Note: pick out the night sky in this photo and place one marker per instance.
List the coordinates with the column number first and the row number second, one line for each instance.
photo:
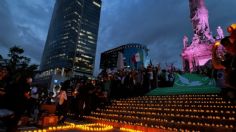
column 159, row 24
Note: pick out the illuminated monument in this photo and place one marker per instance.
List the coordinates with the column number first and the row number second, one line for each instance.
column 198, row 52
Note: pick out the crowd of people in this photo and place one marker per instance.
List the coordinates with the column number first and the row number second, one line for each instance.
column 81, row 95
column 15, row 98
column 78, row 95
column 124, row 83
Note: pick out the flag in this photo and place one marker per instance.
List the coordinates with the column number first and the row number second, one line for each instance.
column 137, row 57
column 133, row 59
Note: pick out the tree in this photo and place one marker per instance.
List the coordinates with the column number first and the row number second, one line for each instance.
column 15, row 57
column 19, row 65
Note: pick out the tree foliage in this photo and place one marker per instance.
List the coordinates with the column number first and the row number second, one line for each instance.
column 19, row 64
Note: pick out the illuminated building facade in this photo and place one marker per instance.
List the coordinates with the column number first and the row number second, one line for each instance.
column 71, row 42
column 134, row 56
column 72, row 37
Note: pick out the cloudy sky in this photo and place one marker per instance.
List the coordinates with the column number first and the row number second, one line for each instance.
column 159, row 24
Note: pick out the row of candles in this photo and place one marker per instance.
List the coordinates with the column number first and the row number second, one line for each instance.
column 129, row 130
column 68, row 126
column 123, row 122
column 174, row 101
column 141, row 124
column 163, row 99
column 157, row 125
column 177, row 96
column 101, row 127
column 145, row 109
column 178, row 122
column 95, row 127
column 173, row 105
column 143, row 115
column 170, row 101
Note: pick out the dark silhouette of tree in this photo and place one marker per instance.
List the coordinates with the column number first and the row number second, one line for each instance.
column 19, row 65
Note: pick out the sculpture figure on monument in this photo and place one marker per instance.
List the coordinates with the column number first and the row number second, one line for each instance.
column 209, row 37
column 185, row 41
column 195, row 39
column 202, row 18
column 220, row 33
column 199, row 52
column 199, row 17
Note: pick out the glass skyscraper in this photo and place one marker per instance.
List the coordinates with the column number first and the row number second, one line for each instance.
column 72, row 37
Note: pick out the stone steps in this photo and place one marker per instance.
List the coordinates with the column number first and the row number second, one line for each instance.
column 208, row 112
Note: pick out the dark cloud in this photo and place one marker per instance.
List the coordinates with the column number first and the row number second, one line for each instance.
column 159, row 24
column 25, row 24
column 32, row 45
column 7, row 29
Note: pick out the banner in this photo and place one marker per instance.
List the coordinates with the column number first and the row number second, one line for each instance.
column 137, row 57
column 192, row 80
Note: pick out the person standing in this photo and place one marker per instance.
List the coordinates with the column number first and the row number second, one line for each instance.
column 62, row 102
column 228, row 62
column 17, row 98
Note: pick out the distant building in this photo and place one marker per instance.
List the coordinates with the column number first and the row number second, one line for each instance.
column 72, row 40
column 134, row 56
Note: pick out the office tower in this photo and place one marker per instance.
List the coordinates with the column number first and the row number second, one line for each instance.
column 72, row 38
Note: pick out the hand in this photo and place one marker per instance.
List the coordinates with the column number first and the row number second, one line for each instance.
column 27, row 95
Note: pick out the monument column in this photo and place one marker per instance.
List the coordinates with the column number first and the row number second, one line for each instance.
column 198, row 52
column 199, row 19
